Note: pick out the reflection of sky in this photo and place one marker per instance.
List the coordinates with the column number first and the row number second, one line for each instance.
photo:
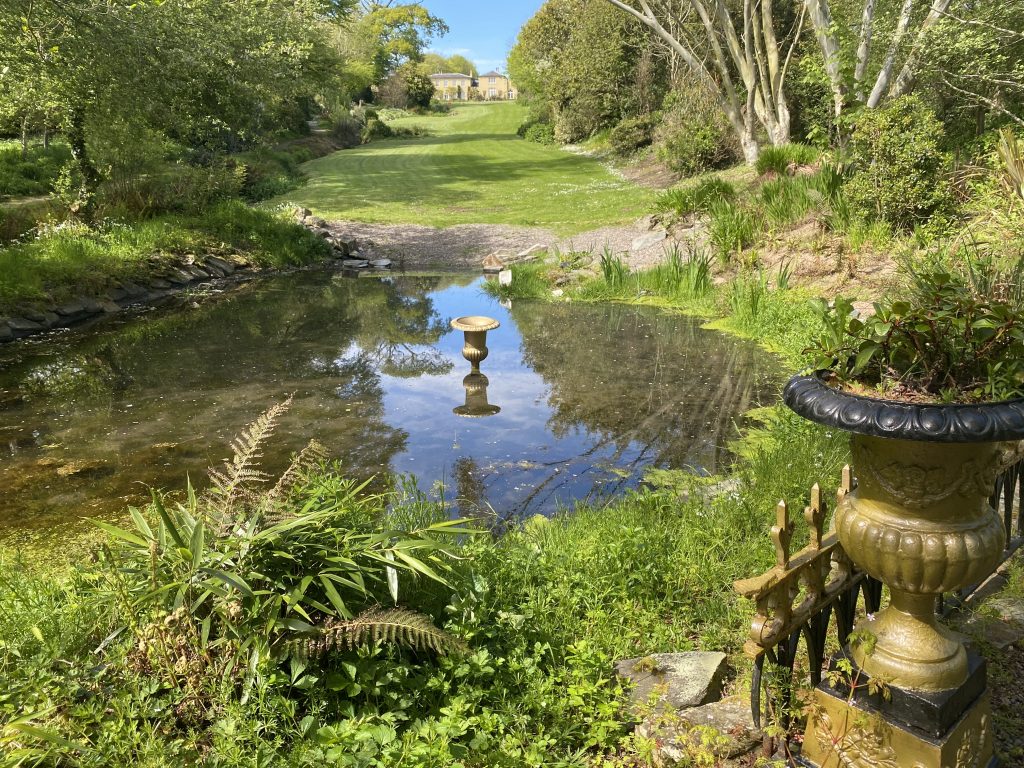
column 525, row 468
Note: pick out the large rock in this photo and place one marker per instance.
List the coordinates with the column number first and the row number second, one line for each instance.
column 532, row 252
column 224, row 266
column 24, row 325
column 493, row 264
column 649, row 240
column 680, row 680
column 724, row 728
column 6, row 334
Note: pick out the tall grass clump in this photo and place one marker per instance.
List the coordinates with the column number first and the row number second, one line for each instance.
column 747, row 295
column 529, row 281
column 780, row 159
column 733, row 228
column 696, row 199
column 680, row 276
column 614, row 270
column 786, row 200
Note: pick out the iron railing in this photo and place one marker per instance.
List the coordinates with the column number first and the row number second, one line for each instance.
column 799, row 598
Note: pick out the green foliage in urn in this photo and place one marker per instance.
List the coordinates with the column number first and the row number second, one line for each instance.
column 958, row 337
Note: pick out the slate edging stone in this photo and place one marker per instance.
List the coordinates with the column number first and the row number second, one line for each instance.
column 173, row 278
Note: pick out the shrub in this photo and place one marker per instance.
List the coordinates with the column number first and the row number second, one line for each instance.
column 955, row 337
column 375, row 128
column 899, row 168
column 697, row 199
column 694, row 135
column 632, row 134
column 347, row 131
column 540, row 133
column 780, row 159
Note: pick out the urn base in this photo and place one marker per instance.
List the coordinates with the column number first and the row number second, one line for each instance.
column 851, row 734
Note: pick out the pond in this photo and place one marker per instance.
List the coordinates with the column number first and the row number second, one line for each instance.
column 589, row 395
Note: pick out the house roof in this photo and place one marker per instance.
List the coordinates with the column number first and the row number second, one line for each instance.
column 452, row 74
column 492, row 74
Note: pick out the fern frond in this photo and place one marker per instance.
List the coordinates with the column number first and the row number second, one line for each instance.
column 395, row 626
column 231, row 483
column 309, row 458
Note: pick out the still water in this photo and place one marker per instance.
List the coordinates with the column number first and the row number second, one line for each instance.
column 590, row 396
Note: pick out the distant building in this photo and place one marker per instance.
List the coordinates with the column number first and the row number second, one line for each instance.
column 454, row 86
column 495, row 86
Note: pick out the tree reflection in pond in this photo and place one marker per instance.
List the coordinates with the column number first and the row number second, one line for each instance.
column 589, row 395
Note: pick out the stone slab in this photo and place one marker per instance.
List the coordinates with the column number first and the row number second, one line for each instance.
column 680, row 680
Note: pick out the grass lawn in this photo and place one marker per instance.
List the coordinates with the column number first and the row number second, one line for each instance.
column 471, row 169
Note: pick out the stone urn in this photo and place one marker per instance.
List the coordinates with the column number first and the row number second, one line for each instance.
column 475, row 328
column 919, row 520
column 476, row 404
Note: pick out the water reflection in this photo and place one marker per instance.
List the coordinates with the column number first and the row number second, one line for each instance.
column 90, row 419
column 476, row 404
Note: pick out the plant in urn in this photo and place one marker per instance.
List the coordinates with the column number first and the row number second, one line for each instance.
column 930, row 390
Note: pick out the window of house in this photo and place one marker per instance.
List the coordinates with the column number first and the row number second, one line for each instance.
column 493, row 80
column 492, row 92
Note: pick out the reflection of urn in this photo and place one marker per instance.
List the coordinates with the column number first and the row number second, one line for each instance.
column 476, row 396
column 475, row 327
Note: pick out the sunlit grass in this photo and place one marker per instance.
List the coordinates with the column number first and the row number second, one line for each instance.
column 471, row 168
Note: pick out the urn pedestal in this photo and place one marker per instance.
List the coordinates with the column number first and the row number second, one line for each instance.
column 475, row 328
column 920, row 522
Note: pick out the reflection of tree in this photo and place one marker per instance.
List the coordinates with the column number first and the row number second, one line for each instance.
column 197, row 375
column 470, row 487
column 616, row 371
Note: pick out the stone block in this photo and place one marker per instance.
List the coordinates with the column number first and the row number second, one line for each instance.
column 680, row 680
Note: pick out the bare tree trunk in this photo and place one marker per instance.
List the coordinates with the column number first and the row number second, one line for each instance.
column 905, row 81
column 821, row 19
column 86, row 204
column 885, row 74
column 867, row 26
column 24, row 138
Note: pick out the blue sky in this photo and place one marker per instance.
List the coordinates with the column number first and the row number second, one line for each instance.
column 482, row 32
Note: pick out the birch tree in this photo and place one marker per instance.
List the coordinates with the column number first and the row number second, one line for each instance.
column 891, row 45
column 741, row 57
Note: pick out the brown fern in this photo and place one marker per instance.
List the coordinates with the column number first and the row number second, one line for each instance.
column 309, row 458
column 233, row 483
column 394, row 626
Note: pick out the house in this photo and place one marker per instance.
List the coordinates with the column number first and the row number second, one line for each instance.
column 449, row 86
column 493, row 86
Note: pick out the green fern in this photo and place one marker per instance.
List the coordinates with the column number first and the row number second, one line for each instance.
column 395, row 626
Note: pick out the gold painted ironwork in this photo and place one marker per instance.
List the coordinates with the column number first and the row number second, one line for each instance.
column 920, row 521
column 802, row 585
column 842, row 735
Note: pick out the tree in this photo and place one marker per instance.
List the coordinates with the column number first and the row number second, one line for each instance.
column 196, row 71
column 400, row 33
column 587, row 65
column 459, row 63
column 741, row 56
column 899, row 41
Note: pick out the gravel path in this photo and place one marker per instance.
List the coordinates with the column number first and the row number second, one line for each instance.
column 464, row 246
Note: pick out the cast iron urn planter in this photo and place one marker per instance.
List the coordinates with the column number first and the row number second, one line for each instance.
column 920, row 521
column 475, row 328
